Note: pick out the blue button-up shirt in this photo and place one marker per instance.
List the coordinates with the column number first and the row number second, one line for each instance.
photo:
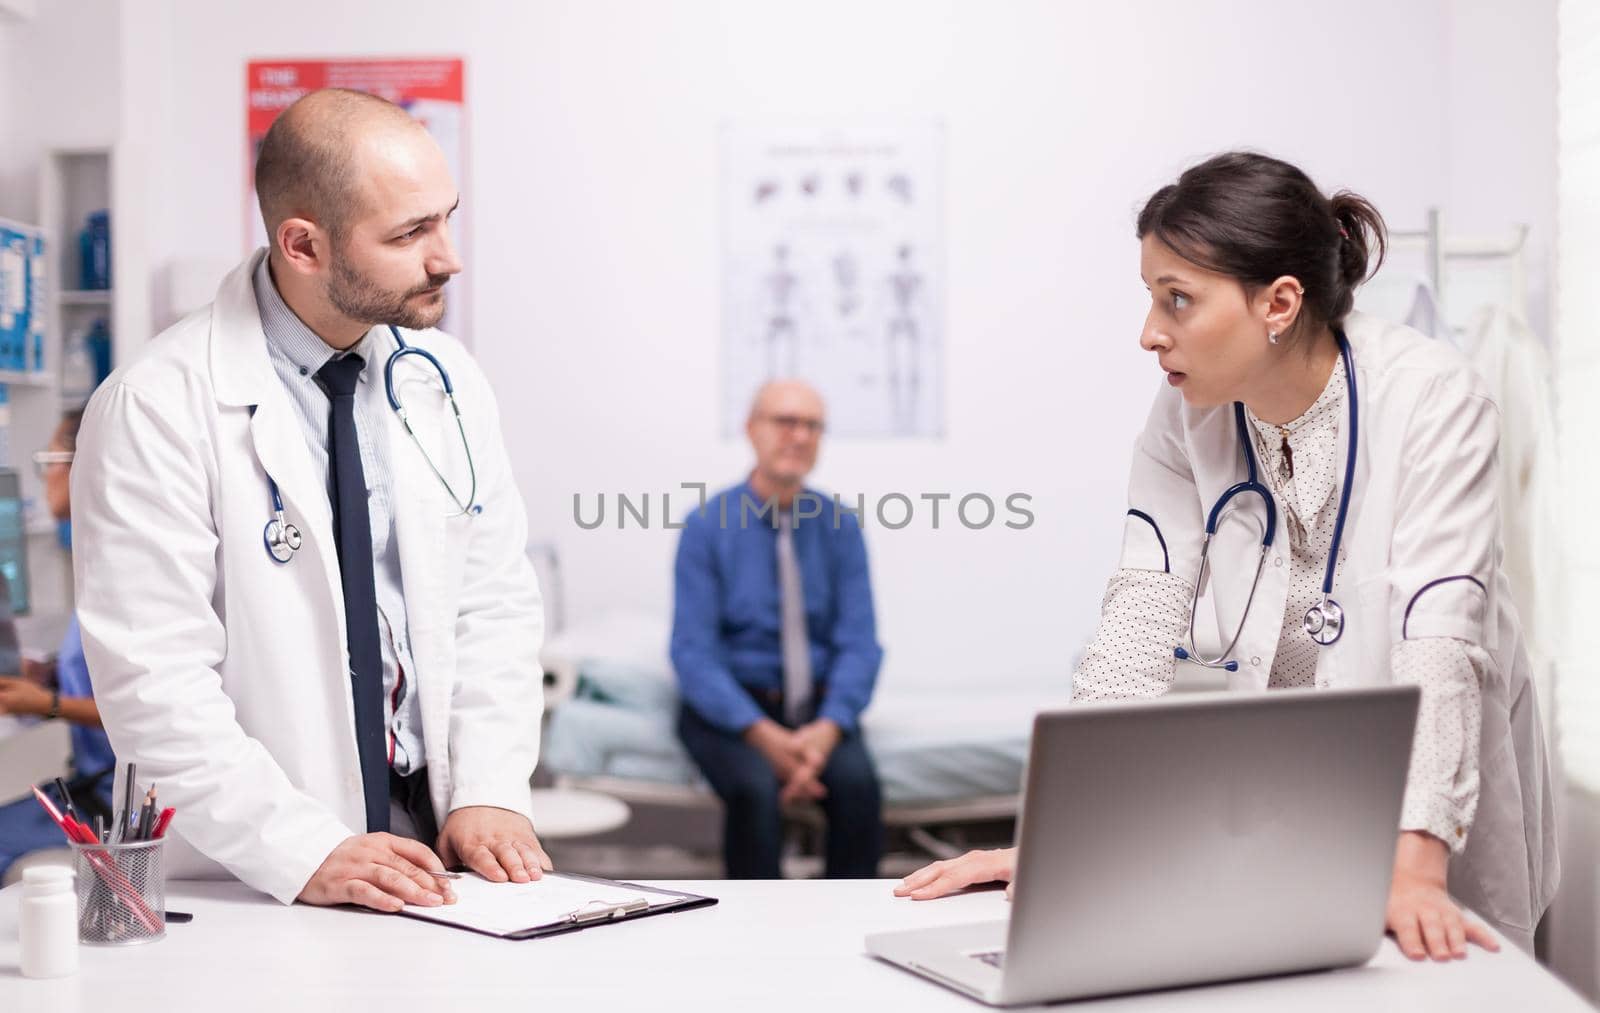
column 726, row 624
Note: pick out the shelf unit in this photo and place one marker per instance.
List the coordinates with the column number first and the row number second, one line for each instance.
column 30, row 395
column 84, row 297
column 72, row 183
column 12, row 378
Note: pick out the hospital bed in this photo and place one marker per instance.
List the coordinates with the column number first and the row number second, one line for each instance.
column 947, row 757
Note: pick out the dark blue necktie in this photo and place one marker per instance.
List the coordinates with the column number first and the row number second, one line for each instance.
column 353, row 526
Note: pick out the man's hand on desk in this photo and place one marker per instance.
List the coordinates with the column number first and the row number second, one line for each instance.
column 1421, row 915
column 380, row 871
column 497, row 844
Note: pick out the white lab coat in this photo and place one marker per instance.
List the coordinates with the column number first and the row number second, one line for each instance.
column 222, row 673
column 1516, row 370
column 1423, row 507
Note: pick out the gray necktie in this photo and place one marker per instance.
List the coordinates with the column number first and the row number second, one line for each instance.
column 796, row 643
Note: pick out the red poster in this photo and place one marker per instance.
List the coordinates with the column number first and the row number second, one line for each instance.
column 431, row 90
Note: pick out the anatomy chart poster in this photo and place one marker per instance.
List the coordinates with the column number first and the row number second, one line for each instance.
column 431, row 90
column 833, row 272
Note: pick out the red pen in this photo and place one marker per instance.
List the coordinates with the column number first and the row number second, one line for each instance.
column 71, row 828
column 77, row 831
column 162, row 821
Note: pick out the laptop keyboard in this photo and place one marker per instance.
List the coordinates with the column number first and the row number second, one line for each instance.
column 994, row 958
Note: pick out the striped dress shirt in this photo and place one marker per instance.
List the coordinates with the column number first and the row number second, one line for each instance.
column 297, row 353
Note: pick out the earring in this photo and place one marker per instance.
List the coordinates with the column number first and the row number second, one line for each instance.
column 1272, row 337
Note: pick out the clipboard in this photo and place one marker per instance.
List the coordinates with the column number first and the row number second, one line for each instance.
column 469, row 914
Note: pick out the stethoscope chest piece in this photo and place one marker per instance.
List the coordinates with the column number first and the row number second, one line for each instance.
column 282, row 539
column 1325, row 622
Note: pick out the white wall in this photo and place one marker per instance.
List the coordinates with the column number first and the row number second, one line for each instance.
column 593, row 190
column 12, row 158
column 1500, row 132
column 59, row 73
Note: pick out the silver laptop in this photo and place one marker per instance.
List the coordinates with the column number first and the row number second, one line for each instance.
column 1189, row 839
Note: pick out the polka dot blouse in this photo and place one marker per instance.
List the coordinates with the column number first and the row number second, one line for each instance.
column 1146, row 612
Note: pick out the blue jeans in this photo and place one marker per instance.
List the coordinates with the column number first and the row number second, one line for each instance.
column 752, row 833
column 26, row 827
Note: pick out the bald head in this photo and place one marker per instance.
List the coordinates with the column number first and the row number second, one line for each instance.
column 787, row 397
column 311, row 161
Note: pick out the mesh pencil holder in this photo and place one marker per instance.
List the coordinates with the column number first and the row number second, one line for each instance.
column 121, row 892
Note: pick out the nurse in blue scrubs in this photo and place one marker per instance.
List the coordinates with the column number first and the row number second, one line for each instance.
column 24, row 827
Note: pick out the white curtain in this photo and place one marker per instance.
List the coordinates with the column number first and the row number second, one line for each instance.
column 1577, row 350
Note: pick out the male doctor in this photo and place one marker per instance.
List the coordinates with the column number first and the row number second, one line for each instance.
column 328, row 701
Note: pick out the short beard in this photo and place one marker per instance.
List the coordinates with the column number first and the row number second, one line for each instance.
column 358, row 298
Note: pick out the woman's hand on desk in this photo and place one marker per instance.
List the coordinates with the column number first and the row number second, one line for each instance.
column 497, row 844
column 953, row 874
column 1421, row 915
column 379, row 871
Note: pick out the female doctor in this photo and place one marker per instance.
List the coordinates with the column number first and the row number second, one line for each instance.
column 1376, row 448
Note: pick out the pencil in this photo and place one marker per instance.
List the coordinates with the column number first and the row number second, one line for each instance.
column 127, row 801
column 147, row 811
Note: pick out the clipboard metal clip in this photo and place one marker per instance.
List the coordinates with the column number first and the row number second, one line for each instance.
column 600, row 911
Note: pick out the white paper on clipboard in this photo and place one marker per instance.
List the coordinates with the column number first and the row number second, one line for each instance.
column 508, row 908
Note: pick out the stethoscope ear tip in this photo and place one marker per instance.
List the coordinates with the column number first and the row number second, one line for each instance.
column 1232, row 666
column 1180, row 654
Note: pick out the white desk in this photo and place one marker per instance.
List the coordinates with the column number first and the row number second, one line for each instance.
column 768, row 946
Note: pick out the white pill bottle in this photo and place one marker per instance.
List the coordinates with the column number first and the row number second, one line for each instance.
column 48, row 922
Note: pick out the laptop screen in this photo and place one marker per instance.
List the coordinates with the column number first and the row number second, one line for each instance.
column 13, row 544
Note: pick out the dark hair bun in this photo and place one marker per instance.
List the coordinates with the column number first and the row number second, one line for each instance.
column 1256, row 219
column 1361, row 233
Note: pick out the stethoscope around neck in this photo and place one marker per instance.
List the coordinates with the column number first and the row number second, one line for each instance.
column 283, row 539
column 1324, row 621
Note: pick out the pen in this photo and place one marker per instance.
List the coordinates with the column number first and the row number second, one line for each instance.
column 66, row 799
column 161, row 823
column 445, row 875
column 55, row 814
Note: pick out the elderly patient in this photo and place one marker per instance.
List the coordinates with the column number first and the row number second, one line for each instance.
column 776, row 650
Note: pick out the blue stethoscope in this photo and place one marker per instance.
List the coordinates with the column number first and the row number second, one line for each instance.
column 283, row 539
column 1324, row 622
